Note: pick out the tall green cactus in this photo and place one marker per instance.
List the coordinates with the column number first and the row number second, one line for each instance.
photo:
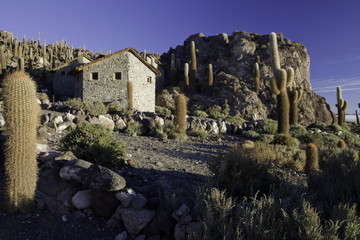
column 294, row 97
column 2, row 58
column 180, row 113
column 210, row 80
column 186, row 77
column 193, row 65
column 21, row 112
column 341, row 106
column 282, row 79
column 312, row 158
column 257, row 78
column 130, row 97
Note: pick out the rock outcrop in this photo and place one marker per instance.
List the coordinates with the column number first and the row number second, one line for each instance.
column 233, row 58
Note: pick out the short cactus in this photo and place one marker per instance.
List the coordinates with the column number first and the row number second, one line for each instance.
column 257, row 78
column 312, row 158
column 341, row 106
column 180, row 113
column 282, row 79
column 21, row 112
column 341, row 144
column 294, row 97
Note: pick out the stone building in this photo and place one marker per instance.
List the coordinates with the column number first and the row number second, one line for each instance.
column 63, row 82
column 105, row 80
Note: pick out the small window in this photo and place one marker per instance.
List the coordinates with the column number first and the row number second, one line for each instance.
column 149, row 79
column 117, row 75
column 94, row 76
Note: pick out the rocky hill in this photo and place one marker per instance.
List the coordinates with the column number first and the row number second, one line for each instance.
column 233, row 58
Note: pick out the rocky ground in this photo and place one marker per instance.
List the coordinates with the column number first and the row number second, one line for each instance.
column 155, row 167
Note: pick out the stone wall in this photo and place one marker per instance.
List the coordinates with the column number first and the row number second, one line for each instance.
column 143, row 80
column 63, row 83
column 107, row 89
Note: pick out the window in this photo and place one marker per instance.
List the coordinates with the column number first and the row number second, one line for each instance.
column 94, row 76
column 117, row 75
column 149, row 79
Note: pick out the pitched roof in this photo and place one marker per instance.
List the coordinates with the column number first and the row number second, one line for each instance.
column 131, row 50
column 67, row 63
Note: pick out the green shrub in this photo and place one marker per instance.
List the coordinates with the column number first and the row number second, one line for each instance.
column 75, row 103
column 95, row 108
column 250, row 134
column 178, row 136
column 114, row 107
column 162, row 110
column 135, row 128
column 199, row 113
column 94, row 143
column 199, row 133
column 268, row 126
column 235, row 119
column 266, row 138
column 215, row 112
column 282, row 139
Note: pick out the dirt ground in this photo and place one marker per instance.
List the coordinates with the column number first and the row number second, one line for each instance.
column 158, row 167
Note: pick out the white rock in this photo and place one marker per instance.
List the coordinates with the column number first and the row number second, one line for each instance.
column 58, row 119
column 69, row 117
column 82, row 199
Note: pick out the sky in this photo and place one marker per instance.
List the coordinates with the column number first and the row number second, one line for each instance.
column 329, row 29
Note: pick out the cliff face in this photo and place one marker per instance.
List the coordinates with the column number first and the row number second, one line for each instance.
column 233, row 58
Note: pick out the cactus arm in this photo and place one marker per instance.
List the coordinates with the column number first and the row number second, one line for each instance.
column 290, row 76
column 274, row 87
column 344, row 107
column 274, row 52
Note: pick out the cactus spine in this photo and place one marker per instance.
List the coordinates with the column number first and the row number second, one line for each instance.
column 21, row 113
column 193, row 65
column 282, row 79
column 312, row 158
column 210, row 80
column 257, row 78
column 294, row 97
column 180, row 113
column 341, row 106
column 130, row 97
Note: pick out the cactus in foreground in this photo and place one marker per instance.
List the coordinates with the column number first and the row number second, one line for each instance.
column 210, row 80
column 341, row 106
column 21, row 112
column 294, row 97
column 282, row 79
column 193, row 65
column 312, row 158
column 130, row 98
column 257, row 78
column 180, row 113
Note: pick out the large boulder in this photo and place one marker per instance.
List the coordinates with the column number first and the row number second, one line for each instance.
column 92, row 176
column 233, row 58
column 103, row 120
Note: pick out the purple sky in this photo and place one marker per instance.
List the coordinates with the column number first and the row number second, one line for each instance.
column 329, row 29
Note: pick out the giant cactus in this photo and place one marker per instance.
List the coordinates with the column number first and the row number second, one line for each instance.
column 257, row 78
column 186, row 78
column 180, row 113
column 21, row 112
column 193, row 65
column 130, row 97
column 282, row 79
column 341, row 106
column 294, row 97
column 210, row 80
